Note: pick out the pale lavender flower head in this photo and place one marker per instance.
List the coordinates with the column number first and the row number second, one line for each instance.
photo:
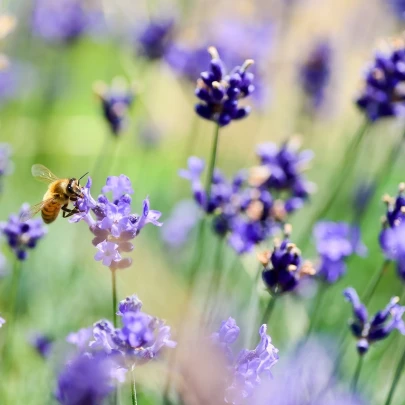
column 335, row 242
column 2, row 321
column 85, row 380
column 250, row 368
column 112, row 222
column 369, row 330
column 81, row 338
column 129, row 304
column 22, row 236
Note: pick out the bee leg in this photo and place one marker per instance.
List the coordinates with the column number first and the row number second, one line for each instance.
column 68, row 212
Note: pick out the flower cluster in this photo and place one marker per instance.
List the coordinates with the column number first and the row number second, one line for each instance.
column 392, row 235
column 140, row 339
column 155, row 38
column 62, row 20
column 220, row 93
column 20, row 235
column 379, row 326
column 247, row 208
column 42, row 344
column 250, row 368
column 283, row 266
column 383, row 94
column 113, row 224
column 86, row 380
column 336, row 241
column 398, row 8
column 115, row 100
column 315, row 73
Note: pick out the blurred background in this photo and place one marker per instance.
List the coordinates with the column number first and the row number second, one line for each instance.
column 50, row 114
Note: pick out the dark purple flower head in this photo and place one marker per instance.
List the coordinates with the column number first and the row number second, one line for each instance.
column 368, row 331
column 129, row 304
column 283, row 266
column 42, row 344
column 398, row 8
column 85, row 380
column 335, row 241
column 250, row 368
column 383, row 94
column 220, row 92
column 113, row 224
column 6, row 166
column 116, row 101
column 22, row 236
column 62, row 20
column 155, row 38
column 315, row 73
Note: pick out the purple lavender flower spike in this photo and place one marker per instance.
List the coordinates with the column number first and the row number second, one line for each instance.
column 2, row 321
column 251, row 367
column 42, row 344
column 129, row 304
column 315, row 73
column 85, row 380
column 81, row 338
column 116, row 100
column 283, row 266
column 22, row 236
column 154, row 40
column 398, row 8
column 219, row 93
column 382, row 95
column 379, row 326
column 335, row 241
column 112, row 223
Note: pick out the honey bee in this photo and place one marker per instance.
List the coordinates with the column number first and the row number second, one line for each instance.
column 58, row 196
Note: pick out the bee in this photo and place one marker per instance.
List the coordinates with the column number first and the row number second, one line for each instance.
column 58, row 196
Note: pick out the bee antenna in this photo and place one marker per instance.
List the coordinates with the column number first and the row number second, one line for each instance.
column 85, row 174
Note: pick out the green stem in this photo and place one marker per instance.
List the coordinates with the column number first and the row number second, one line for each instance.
column 372, row 286
column 133, row 387
column 15, row 283
column 340, row 177
column 213, row 159
column 395, row 380
column 268, row 310
column 357, row 374
column 114, row 296
column 318, row 308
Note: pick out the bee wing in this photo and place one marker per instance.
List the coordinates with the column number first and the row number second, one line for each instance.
column 42, row 173
column 25, row 216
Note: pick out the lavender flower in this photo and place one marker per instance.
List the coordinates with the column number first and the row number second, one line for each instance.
column 116, row 101
column 315, row 73
column 81, row 338
column 129, row 304
column 2, row 321
column 398, row 8
column 383, row 94
column 113, row 224
column 22, row 236
column 283, row 266
column 367, row 331
column 42, row 344
column 63, row 20
column 85, row 380
column 336, row 241
column 250, row 368
column 155, row 38
column 220, row 93
column 178, row 226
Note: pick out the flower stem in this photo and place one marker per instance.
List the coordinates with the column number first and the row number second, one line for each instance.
column 357, row 374
column 15, row 282
column 213, row 159
column 395, row 380
column 133, row 387
column 372, row 286
column 114, row 296
column 268, row 311
column 318, row 307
